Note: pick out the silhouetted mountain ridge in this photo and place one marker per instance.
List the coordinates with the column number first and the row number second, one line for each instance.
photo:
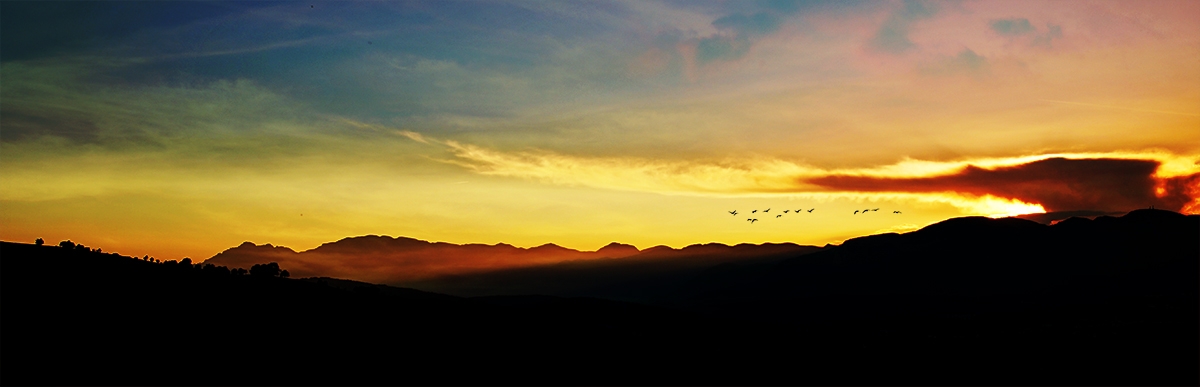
column 1053, row 217
column 383, row 259
column 405, row 261
column 974, row 257
column 971, row 301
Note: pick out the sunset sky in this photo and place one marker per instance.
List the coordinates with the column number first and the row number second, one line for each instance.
column 180, row 129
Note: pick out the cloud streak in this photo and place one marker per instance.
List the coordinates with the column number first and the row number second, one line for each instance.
column 892, row 36
column 1059, row 184
column 1055, row 182
column 1122, row 108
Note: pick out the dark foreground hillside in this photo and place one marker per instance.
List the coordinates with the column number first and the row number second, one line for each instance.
column 970, row 301
column 82, row 318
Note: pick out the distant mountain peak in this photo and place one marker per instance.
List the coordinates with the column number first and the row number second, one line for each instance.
column 617, row 245
column 617, row 250
column 659, row 248
column 549, row 246
column 266, row 246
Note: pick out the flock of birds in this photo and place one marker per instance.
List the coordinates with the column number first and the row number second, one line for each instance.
column 752, row 220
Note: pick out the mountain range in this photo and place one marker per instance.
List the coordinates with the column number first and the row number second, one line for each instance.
column 966, row 301
column 440, row 266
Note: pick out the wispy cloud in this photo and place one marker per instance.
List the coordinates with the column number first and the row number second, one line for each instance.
column 1126, row 108
column 1055, row 181
column 1014, row 28
column 966, row 62
column 1011, row 27
column 892, row 36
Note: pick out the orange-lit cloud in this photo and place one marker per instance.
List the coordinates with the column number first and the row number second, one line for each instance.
column 1059, row 184
column 995, row 186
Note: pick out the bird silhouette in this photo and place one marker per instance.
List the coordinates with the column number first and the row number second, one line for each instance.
column 811, row 210
column 311, row 6
column 734, row 212
column 855, row 212
column 895, row 212
column 875, row 209
column 778, row 216
column 786, row 211
column 752, row 220
column 767, row 210
column 753, row 211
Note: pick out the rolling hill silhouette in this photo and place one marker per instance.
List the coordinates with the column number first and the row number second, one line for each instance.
column 1109, row 301
column 1146, row 253
column 1057, row 216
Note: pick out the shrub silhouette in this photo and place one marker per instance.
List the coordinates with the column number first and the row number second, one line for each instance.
column 39, row 242
column 265, row 270
column 67, row 244
column 284, row 274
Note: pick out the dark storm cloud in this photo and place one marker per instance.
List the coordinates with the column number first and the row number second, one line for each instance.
column 1058, row 184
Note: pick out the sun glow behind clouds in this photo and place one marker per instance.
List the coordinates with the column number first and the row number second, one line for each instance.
column 766, row 177
column 996, row 207
column 635, row 122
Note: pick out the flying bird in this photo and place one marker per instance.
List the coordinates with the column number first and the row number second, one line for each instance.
column 753, row 211
column 811, row 210
column 895, row 212
column 767, row 210
column 734, row 212
column 752, row 220
column 855, row 212
column 786, row 211
column 777, row 216
column 875, row 209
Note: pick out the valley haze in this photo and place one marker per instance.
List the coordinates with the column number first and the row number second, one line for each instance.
column 966, row 301
column 511, row 192
column 179, row 129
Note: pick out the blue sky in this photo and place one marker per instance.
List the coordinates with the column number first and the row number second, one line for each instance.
column 135, row 121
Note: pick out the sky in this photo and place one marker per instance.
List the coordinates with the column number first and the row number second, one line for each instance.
column 181, row 129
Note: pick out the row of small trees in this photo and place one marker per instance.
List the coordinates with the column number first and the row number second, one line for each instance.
column 67, row 244
column 259, row 270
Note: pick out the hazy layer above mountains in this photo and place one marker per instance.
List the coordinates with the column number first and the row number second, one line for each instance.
column 658, row 274
column 965, row 301
column 400, row 260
